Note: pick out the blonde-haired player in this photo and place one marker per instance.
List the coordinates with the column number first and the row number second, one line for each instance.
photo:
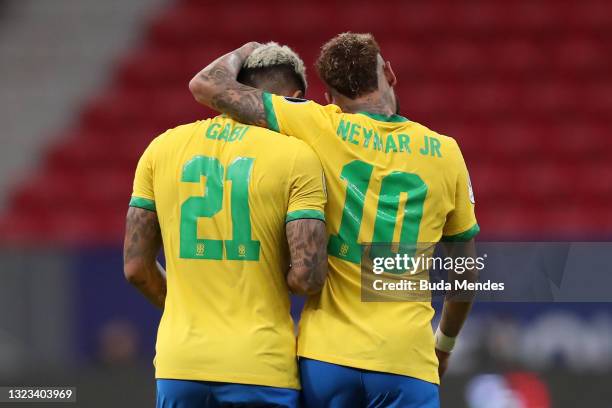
column 274, row 55
column 239, row 211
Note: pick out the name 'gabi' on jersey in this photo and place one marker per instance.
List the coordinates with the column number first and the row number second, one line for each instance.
column 370, row 139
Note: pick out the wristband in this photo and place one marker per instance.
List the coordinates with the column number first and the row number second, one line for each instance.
column 444, row 342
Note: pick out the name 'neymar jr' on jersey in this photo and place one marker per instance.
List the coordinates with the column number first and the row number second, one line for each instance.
column 389, row 179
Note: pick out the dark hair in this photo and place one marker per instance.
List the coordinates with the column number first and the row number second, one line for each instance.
column 272, row 79
column 348, row 64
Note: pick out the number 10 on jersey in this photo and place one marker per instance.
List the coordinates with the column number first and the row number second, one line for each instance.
column 357, row 175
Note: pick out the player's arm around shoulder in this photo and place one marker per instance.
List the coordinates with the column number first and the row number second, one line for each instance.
column 216, row 86
column 305, row 223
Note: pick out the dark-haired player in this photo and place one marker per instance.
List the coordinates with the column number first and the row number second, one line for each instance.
column 230, row 213
column 389, row 180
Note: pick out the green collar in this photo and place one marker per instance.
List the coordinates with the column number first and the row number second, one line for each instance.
column 383, row 118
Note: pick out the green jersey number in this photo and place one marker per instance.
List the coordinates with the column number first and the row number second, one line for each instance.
column 241, row 247
column 357, row 175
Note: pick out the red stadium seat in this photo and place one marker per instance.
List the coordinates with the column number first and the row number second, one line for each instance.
column 523, row 87
column 460, row 60
column 582, row 57
column 519, row 59
column 162, row 67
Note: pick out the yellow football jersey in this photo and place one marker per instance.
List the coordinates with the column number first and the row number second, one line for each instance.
column 223, row 192
column 389, row 180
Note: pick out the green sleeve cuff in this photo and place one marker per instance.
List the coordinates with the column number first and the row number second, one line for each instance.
column 270, row 115
column 305, row 214
column 463, row 236
column 143, row 203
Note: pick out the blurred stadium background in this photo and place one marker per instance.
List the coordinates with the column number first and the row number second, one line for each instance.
column 525, row 87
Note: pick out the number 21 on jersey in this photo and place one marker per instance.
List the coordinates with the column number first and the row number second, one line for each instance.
column 241, row 247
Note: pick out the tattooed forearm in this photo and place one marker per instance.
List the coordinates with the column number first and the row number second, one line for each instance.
column 141, row 246
column 308, row 248
column 244, row 104
column 216, row 87
column 142, row 234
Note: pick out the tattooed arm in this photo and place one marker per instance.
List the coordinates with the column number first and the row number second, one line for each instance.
column 308, row 248
column 455, row 311
column 140, row 249
column 216, row 87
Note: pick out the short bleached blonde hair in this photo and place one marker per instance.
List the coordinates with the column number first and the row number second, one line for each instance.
column 272, row 54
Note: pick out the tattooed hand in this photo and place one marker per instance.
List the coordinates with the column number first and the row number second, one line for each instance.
column 308, row 248
column 247, row 49
column 140, row 249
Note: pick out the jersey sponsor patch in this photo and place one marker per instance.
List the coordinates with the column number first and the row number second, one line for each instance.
column 295, row 100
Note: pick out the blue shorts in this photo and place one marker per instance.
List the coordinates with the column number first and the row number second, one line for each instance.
column 209, row 394
column 326, row 385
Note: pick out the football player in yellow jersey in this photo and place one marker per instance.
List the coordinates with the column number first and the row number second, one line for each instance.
column 389, row 180
column 240, row 224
